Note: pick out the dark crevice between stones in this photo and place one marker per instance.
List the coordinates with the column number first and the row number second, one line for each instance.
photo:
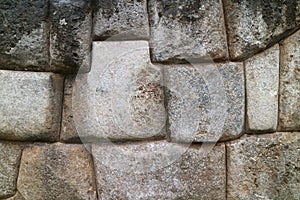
column 62, row 107
column 94, row 172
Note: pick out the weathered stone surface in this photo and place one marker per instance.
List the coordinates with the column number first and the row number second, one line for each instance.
column 193, row 175
column 17, row 196
column 255, row 25
column 30, row 105
column 289, row 104
column 262, row 85
column 70, row 35
column 10, row 155
column 121, row 98
column 264, row 167
column 205, row 102
column 187, row 29
column 24, row 33
column 122, row 19
column 56, row 171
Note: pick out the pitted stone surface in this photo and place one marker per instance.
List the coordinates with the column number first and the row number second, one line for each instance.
column 262, row 85
column 194, row 175
column 187, row 29
column 56, row 171
column 17, row 196
column 121, row 19
column 24, row 33
column 30, row 105
column 264, row 167
column 205, row 105
column 255, row 25
column 10, row 155
column 122, row 97
column 289, row 110
column 70, row 35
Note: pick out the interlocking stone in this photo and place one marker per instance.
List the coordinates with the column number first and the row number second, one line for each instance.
column 120, row 99
column 254, row 25
column 10, row 155
column 187, row 29
column 193, row 175
column 30, row 105
column 264, row 167
column 262, row 85
column 289, row 105
column 121, row 19
column 24, row 33
column 17, row 196
column 70, row 35
column 205, row 102
column 56, row 171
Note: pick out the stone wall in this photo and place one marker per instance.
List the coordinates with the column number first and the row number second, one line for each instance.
column 136, row 99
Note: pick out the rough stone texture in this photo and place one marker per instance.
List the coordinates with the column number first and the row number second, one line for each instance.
column 255, row 25
column 17, row 196
column 30, row 105
column 289, row 104
column 122, row 19
column 56, row 171
column 205, row 102
column 264, row 167
column 193, row 176
column 121, row 98
column 262, row 85
column 187, row 29
column 24, row 33
column 70, row 35
column 10, row 155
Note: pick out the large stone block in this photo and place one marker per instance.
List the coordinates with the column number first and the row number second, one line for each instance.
column 56, row 171
column 205, row 102
column 24, row 35
column 255, row 25
column 264, row 167
column 289, row 104
column 70, row 35
column 262, row 85
column 30, row 105
column 192, row 175
column 10, row 155
column 187, row 29
column 121, row 98
column 122, row 19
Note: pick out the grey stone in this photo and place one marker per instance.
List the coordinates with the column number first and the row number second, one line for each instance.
column 254, row 25
column 289, row 103
column 121, row 19
column 205, row 102
column 70, row 35
column 121, row 98
column 193, row 174
column 264, row 167
column 30, row 105
column 56, row 171
column 24, row 33
column 187, row 29
column 17, row 196
column 10, row 155
column 262, row 85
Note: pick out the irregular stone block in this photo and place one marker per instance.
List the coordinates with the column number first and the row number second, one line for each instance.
column 17, row 196
column 262, row 85
column 187, row 29
column 24, row 35
column 289, row 103
column 10, row 155
column 56, row 171
column 121, row 19
column 121, row 98
column 254, row 25
column 205, row 102
column 192, row 175
column 70, row 35
column 30, row 105
column 264, row 167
